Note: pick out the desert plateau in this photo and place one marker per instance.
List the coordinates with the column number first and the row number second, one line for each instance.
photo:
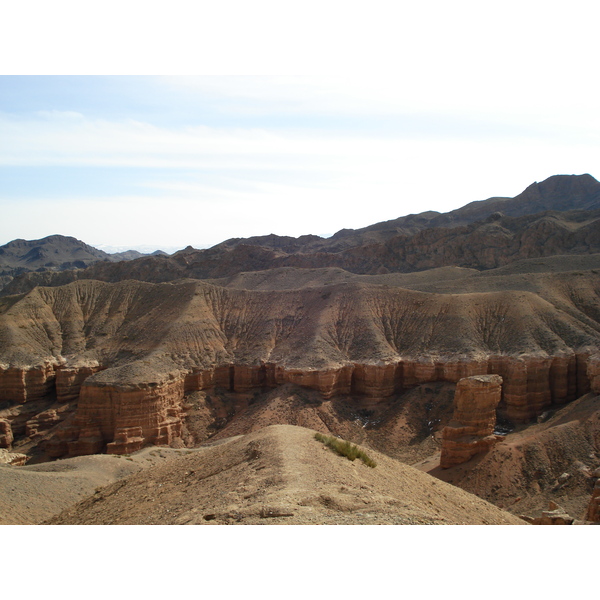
column 459, row 351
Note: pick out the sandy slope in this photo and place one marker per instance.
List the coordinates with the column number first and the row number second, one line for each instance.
column 552, row 460
column 281, row 475
column 31, row 494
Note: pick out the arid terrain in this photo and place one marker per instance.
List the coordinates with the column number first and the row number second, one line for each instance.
column 460, row 350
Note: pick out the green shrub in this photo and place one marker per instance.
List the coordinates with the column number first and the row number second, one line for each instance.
column 344, row 448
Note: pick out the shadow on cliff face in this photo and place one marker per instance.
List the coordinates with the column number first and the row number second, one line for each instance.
column 405, row 426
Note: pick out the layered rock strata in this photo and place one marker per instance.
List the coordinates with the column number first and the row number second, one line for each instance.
column 593, row 511
column 531, row 384
column 121, row 419
column 131, row 416
column 593, row 372
column 471, row 429
column 12, row 458
column 340, row 339
column 41, row 422
column 6, row 434
column 23, row 384
column 69, row 380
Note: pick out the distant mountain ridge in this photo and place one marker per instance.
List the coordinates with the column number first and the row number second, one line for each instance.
column 558, row 216
column 55, row 253
column 557, row 193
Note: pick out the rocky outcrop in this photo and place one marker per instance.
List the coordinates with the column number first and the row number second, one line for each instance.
column 42, row 422
column 593, row 372
column 122, row 411
column 6, row 434
column 127, row 440
column 24, row 384
column 472, row 425
column 532, row 384
column 593, row 511
column 122, row 417
column 340, row 339
column 69, row 380
column 555, row 515
column 12, row 458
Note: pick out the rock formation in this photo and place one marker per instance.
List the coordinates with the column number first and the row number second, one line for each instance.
column 593, row 511
column 593, row 372
column 12, row 458
column 555, row 515
column 6, row 434
column 127, row 353
column 123, row 417
column 70, row 378
column 20, row 384
column 471, row 429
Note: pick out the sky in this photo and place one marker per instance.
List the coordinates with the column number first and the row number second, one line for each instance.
column 249, row 121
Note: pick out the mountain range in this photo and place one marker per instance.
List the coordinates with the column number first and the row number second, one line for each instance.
column 465, row 344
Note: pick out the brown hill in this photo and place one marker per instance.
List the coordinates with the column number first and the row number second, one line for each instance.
column 54, row 254
column 196, row 324
column 281, row 474
column 130, row 353
column 54, row 251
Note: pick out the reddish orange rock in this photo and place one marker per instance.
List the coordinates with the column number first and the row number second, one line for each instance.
column 41, row 422
column 70, row 379
column 6, row 434
column 127, row 440
column 593, row 511
column 329, row 382
column 23, row 384
column 199, row 380
column 472, row 425
column 375, row 381
column 593, row 372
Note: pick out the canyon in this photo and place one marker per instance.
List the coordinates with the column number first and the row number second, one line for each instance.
column 430, row 338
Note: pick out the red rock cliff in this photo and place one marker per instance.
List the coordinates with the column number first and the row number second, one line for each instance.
column 122, row 419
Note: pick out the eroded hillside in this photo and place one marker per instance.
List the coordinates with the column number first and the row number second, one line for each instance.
column 366, row 336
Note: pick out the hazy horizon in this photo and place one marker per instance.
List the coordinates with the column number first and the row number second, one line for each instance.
column 439, row 107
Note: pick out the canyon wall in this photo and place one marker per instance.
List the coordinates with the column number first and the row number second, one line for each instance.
column 120, row 418
column 6, row 434
column 25, row 384
column 593, row 373
column 70, row 379
column 593, row 511
column 532, row 384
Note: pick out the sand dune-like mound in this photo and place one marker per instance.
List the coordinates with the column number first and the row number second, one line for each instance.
column 281, row 474
column 31, row 494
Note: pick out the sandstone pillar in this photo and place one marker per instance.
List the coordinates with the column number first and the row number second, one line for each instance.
column 471, row 429
column 6, row 434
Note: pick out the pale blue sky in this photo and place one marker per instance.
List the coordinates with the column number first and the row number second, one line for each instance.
column 460, row 110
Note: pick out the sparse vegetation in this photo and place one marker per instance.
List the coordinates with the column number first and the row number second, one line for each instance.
column 344, row 448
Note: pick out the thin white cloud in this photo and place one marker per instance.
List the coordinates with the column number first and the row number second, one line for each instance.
column 253, row 181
